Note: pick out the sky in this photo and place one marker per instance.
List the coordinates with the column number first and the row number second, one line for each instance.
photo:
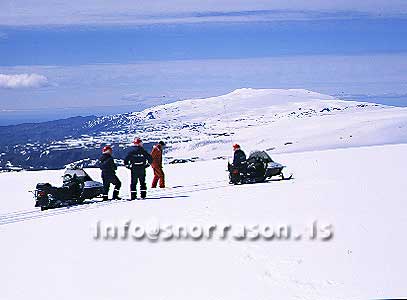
column 61, row 59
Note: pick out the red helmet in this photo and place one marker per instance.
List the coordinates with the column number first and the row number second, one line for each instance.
column 236, row 146
column 138, row 142
column 107, row 149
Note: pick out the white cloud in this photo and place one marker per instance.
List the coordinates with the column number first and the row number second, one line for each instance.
column 116, row 84
column 17, row 81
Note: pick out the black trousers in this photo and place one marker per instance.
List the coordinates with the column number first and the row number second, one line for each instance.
column 138, row 175
column 109, row 179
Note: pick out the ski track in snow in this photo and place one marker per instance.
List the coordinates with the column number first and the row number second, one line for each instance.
column 153, row 194
column 156, row 194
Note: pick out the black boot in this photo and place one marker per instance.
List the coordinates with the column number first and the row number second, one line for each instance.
column 105, row 198
column 134, row 195
column 116, row 195
column 143, row 194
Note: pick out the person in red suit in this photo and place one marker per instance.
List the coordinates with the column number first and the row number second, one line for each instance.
column 157, row 154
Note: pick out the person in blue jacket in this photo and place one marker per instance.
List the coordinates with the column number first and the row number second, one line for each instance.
column 108, row 167
column 137, row 160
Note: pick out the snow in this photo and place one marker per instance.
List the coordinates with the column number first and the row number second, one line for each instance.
column 269, row 119
column 52, row 255
column 348, row 160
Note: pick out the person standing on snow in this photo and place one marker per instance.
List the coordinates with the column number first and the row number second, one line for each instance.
column 108, row 167
column 137, row 160
column 157, row 165
column 239, row 158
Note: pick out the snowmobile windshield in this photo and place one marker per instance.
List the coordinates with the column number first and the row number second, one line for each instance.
column 80, row 173
column 260, row 155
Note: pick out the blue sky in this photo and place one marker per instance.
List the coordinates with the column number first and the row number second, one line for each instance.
column 123, row 44
column 86, row 58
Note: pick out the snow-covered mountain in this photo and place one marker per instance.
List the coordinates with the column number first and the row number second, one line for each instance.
column 276, row 120
column 273, row 119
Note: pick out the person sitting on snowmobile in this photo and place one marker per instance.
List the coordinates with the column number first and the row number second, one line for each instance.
column 239, row 159
column 137, row 160
column 108, row 167
column 157, row 165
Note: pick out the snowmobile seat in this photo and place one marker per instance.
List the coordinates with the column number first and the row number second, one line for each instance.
column 43, row 186
column 70, row 190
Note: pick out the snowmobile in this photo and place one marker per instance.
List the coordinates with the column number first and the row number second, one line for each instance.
column 77, row 187
column 258, row 168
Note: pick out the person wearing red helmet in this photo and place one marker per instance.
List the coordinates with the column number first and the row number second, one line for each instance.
column 157, row 165
column 137, row 160
column 108, row 167
column 239, row 165
column 239, row 158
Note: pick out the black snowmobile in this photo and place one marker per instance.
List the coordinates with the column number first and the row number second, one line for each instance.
column 258, row 168
column 77, row 187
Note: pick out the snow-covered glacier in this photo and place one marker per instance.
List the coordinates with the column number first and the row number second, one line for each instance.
column 274, row 119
